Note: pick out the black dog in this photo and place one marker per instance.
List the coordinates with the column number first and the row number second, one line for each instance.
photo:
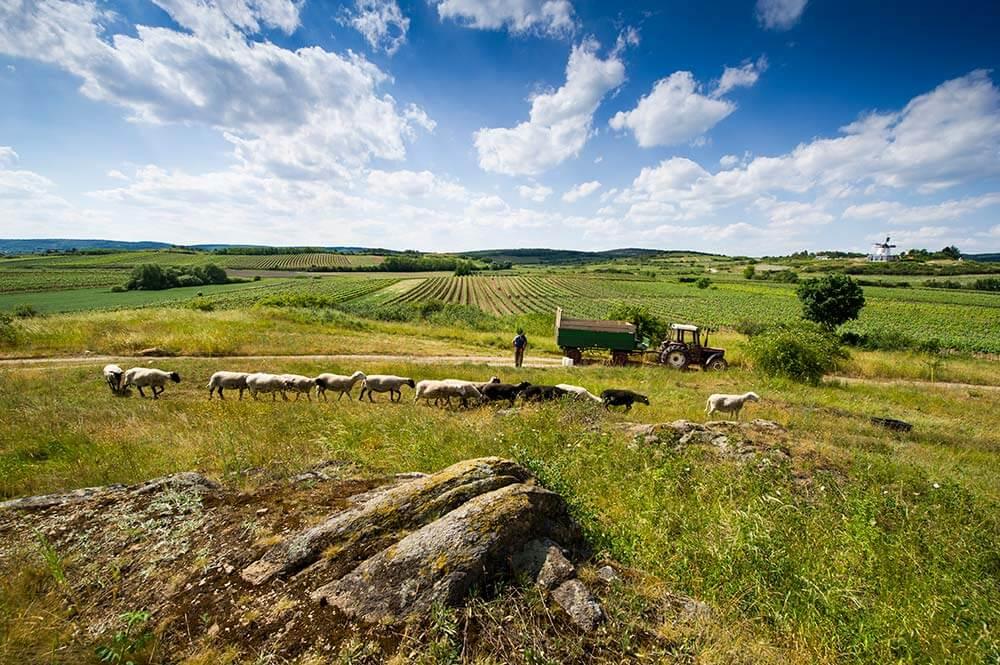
column 626, row 398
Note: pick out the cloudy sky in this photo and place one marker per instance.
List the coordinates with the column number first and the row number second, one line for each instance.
column 751, row 127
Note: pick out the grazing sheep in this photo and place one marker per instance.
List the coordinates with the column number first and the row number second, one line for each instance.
column 338, row 382
column 262, row 382
column 626, row 398
column 535, row 393
column 495, row 392
column 579, row 392
column 729, row 403
column 445, row 390
column 113, row 375
column 300, row 385
column 144, row 377
column 231, row 380
column 385, row 383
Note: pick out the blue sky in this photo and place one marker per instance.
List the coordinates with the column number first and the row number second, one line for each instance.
column 754, row 127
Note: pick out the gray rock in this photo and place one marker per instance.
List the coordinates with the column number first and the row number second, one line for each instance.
column 186, row 480
column 695, row 610
column 445, row 560
column 155, row 352
column 49, row 500
column 543, row 562
column 581, row 606
column 607, row 574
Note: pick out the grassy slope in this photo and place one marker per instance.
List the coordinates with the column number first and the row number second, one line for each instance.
column 848, row 553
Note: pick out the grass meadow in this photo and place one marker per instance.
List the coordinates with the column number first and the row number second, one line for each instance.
column 862, row 547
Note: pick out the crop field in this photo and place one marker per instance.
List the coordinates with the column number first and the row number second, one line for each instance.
column 962, row 320
column 128, row 260
column 16, row 281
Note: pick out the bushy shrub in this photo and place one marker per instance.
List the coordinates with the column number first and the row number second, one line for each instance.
column 153, row 277
column 750, row 327
column 26, row 311
column 8, row 333
column 703, row 283
column 878, row 340
column 801, row 352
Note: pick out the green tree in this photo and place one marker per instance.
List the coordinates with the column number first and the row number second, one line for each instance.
column 831, row 300
column 703, row 283
column 647, row 325
column 463, row 268
column 749, row 272
column 148, row 277
column 951, row 252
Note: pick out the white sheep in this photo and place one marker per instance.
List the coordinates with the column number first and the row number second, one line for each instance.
column 262, row 382
column 338, row 382
column 144, row 377
column 446, row 389
column 579, row 392
column 113, row 375
column 300, row 385
column 231, row 380
column 385, row 383
column 729, row 403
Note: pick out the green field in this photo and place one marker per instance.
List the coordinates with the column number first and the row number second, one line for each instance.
column 128, row 260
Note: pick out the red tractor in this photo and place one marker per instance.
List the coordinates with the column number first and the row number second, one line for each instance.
column 684, row 349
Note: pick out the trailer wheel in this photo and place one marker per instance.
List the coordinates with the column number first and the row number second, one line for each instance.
column 619, row 358
column 717, row 365
column 675, row 358
column 574, row 353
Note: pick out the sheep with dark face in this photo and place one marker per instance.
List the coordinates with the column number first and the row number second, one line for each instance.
column 535, row 393
column 614, row 397
column 231, row 380
column 337, row 382
column 113, row 376
column 385, row 383
column 496, row 392
column 579, row 391
column 154, row 379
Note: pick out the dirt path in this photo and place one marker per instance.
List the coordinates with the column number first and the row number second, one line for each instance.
column 491, row 361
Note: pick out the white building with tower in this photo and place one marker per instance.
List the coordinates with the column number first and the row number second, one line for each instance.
column 882, row 251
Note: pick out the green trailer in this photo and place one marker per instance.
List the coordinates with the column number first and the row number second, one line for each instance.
column 574, row 336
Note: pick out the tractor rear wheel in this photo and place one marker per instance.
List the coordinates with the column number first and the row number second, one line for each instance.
column 675, row 358
column 717, row 365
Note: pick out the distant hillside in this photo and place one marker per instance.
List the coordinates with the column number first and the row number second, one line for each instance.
column 537, row 255
column 41, row 245
column 986, row 258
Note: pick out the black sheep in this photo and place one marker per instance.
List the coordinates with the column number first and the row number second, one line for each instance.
column 613, row 397
column 495, row 392
column 542, row 393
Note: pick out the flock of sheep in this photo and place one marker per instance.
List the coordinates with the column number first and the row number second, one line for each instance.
column 441, row 391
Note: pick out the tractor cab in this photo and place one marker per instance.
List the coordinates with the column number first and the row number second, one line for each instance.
column 686, row 347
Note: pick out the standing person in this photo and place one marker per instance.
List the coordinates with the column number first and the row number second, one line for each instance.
column 520, row 343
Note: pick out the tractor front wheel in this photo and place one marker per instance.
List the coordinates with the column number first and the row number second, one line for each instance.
column 675, row 358
column 717, row 365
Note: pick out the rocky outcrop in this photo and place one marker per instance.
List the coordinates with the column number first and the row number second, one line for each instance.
column 732, row 439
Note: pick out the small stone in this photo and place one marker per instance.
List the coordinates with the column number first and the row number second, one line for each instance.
column 213, row 630
column 695, row 610
column 581, row 606
column 228, row 569
column 607, row 574
column 261, row 511
column 543, row 561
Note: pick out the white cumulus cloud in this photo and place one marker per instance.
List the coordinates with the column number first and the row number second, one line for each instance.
column 583, row 190
column 780, row 14
column 560, row 122
column 744, row 76
column 551, row 17
column 536, row 193
column 381, row 22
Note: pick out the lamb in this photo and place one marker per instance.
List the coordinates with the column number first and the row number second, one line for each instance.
column 579, row 391
column 445, row 390
column 262, row 382
column 144, row 377
column 231, row 380
column 300, row 385
column 542, row 393
column 613, row 397
column 339, row 382
column 113, row 375
column 729, row 403
column 495, row 392
column 385, row 383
